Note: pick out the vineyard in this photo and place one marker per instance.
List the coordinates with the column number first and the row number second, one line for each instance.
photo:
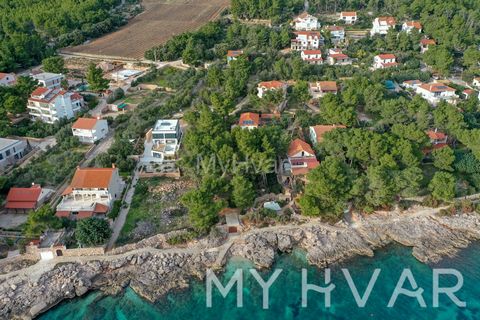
column 160, row 20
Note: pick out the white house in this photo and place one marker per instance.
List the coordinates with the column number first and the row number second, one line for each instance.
column 411, row 84
column 436, row 92
column 476, row 82
column 50, row 105
column 90, row 130
column 338, row 59
column 408, row 26
column 317, row 132
column 337, row 33
column 312, row 56
column 91, row 193
column 321, row 88
column 306, row 22
column 382, row 24
column 233, row 55
column 267, row 86
column 348, row 17
column 307, row 40
column 425, row 44
column 385, row 60
column 7, row 79
column 49, row 80
column 163, row 141
column 11, row 151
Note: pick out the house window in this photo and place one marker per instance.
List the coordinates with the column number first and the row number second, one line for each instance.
column 1, row 156
column 170, row 135
column 7, row 153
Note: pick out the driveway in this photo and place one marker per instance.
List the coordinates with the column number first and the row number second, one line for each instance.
column 122, row 216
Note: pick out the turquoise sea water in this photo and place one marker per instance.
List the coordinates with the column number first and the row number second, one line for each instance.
column 285, row 293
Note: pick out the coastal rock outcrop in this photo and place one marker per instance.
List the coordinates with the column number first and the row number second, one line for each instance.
column 152, row 268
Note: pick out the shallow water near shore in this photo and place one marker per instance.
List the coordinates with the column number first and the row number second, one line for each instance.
column 285, row 293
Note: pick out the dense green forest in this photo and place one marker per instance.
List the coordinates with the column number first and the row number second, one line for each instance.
column 455, row 24
column 31, row 29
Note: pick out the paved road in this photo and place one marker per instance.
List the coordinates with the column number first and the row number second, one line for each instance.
column 122, row 216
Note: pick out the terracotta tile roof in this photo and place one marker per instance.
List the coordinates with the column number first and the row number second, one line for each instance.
column 297, row 146
column 436, row 135
column 327, row 86
column 436, row 87
column 100, row 208
column 428, row 42
column 385, row 56
column 249, row 119
column 434, row 147
column 311, row 163
column 84, row 214
column 303, row 15
column 85, row 123
column 414, row 24
column 272, row 84
column 387, row 20
column 234, row 53
column 468, row 91
column 23, row 198
column 348, row 14
column 40, row 91
column 412, row 82
column 312, row 52
column 62, row 214
column 320, row 130
column 338, row 56
column 86, row 178
column 335, row 28
column 390, row 64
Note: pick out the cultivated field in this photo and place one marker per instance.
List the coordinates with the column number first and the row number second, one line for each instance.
column 159, row 22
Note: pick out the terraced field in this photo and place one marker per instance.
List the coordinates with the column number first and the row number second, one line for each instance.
column 160, row 20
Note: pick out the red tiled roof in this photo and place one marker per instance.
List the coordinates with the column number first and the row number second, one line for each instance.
column 388, row 20
column 436, row 135
column 414, row 24
column 468, row 91
column 85, row 123
column 62, row 214
column 310, row 52
column 303, row 15
column 434, row 147
column 297, row 146
column 436, row 87
column 40, row 91
column 271, row 84
column 234, row 53
column 311, row 163
column 385, row 56
column 348, row 13
column 23, row 198
column 320, row 130
column 338, row 56
column 247, row 117
column 327, row 85
column 308, row 33
column 84, row 214
column 428, row 42
column 335, row 28
column 100, row 208
column 92, row 178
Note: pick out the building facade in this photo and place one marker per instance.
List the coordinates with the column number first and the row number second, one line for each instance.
column 51, row 105
column 11, row 151
column 381, row 25
column 49, row 80
column 90, row 130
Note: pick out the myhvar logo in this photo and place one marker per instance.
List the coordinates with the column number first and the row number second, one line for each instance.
column 360, row 299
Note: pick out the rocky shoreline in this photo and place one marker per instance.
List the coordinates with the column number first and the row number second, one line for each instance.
column 152, row 269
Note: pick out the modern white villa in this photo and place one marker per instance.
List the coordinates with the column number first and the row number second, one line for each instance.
column 436, row 92
column 163, row 141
